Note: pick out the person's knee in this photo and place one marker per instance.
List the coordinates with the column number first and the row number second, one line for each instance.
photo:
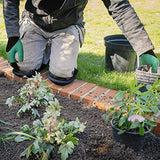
column 27, row 73
column 62, row 80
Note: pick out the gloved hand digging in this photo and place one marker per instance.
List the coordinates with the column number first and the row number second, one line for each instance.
column 149, row 58
column 14, row 46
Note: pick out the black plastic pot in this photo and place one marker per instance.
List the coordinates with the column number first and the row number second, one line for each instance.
column 119, row 54
column 130, row 139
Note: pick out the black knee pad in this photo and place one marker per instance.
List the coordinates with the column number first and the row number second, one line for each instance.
column 26, row 74
column 29, row 73
column 62, row 81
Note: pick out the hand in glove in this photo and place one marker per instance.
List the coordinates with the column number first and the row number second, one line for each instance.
column 14, row 45
column 149, row 58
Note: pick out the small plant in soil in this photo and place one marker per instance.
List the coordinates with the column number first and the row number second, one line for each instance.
column 50, row 134
column 35, row 93
column 3, row 122
column 4, row 137
column 136, row 111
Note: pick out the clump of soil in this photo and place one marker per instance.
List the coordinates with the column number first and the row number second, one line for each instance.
column 96, row 143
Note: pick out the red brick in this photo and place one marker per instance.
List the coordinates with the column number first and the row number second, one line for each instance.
column 82, row 90
column 9, row 75
column 93, row 95
column 6, row 69
column 158, row 120
column 71, row 87
column 49, row 82
column 3, row 65
column 24, row 80
column 2, row 60
column 16, row 78
column 156, row 130
column 102, row 102
column 55, row 88
column 44, row 75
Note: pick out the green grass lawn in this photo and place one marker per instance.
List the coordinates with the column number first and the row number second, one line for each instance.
column 91, row 60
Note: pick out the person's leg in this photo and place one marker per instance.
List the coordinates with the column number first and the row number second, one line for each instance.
column 34, row 45
column 64, row 54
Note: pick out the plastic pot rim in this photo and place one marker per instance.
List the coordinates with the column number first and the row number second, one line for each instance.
column 127, row 132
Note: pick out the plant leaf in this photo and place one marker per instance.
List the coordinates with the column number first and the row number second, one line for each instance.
column 155, row 109
column 70, row 137
column 141, row 130
column 24, row 153
column 30, row 148
column 45, row 156
column 20, row 133
column 35, row 112
column 121, row 131
column 122, row 121
column 107, row 118
column 134, row 125
column 119, row 95
column 36, row 145
column 1, row 121
column 21, row 138
column 65, row 149
column 9, row 101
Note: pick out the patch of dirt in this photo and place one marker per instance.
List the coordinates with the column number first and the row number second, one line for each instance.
column 96, row 143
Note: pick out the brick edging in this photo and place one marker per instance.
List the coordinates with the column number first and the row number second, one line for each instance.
column 85, row 92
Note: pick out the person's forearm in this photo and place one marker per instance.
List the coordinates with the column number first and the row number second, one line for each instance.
column 129, row 23
column 11, row 17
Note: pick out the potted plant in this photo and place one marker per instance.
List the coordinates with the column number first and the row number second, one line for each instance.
column 134, row 113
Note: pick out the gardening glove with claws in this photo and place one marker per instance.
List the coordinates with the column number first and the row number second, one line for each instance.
column 149, row 58
column 14, row 46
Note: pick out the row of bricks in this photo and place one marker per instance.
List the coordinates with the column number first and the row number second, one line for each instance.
column 83, row 91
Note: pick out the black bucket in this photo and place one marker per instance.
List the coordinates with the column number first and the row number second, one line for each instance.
column 120, row 55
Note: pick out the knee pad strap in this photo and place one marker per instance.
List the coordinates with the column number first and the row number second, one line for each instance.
column 60, row 80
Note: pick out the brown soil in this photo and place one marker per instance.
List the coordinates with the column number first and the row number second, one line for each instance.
column 96, row 143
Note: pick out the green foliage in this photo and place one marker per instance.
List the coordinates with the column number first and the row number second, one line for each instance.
column 35, row 93
column 3, row 122
column 134, row 109
column 50, row 133
column 4, row 137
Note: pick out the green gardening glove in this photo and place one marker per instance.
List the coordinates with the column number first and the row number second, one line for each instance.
column 17, row 47
column 148, row 59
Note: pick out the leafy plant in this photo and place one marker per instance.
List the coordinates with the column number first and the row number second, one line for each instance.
column 135, row 110
column 3, row 138
column 33, row 94
column 50, row 134
column 3, row 122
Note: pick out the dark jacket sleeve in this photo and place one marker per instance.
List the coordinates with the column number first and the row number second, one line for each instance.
column 129, row 23
column 11, row 17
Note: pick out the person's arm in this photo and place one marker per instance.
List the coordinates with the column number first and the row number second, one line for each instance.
column 129, row 23
column 11, row 17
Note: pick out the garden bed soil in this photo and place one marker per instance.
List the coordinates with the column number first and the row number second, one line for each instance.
column 95, row 143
